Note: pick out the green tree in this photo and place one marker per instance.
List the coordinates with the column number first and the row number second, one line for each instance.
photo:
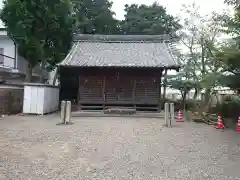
column 95, row 17
column 201, row 37
column 229, row 55
column 230, row 52
column 232, row 2
column 182, row 83
column 150, row 20
column 42, row 30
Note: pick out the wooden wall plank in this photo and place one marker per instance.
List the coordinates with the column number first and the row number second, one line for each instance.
column 115, row 85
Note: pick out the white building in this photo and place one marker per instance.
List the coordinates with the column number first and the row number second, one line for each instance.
column 13, row 67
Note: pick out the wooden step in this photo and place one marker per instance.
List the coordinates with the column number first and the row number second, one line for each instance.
column 120, row 111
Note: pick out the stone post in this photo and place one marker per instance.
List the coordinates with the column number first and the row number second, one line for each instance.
column 166, row 114
column 68, row 112
column 172, row 115
column 63, row 112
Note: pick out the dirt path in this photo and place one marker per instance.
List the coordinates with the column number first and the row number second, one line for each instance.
column 115, row 148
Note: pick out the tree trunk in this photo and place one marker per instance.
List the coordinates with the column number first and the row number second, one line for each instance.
column 206, row 102
column 184, row 95
column 218, row 99
column 42, row 73
column 55, row 76
column 41, row 80
column 196, row 106
column 164, row 86
column 28, row 77
column 203, row 49
column 207, row 96
column 195, row 94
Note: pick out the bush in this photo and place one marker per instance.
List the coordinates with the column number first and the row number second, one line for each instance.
column 229, row 108
column 190, row 104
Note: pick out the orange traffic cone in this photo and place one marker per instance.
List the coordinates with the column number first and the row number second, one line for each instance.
column 219, row 123
column 179, row 117
column 238, row 125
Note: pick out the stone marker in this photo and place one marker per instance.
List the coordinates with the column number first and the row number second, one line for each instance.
column 172, row 115
column 63, row 112
column 68, row 112
column 166, row 114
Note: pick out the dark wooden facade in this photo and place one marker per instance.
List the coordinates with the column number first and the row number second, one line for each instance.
column 111, row 87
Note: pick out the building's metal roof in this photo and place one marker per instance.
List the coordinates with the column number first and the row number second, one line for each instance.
column 120, row 51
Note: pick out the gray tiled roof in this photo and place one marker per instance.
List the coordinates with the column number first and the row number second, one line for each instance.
column 120, row 51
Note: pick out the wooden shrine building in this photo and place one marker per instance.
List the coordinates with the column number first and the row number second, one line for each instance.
column 104, row 71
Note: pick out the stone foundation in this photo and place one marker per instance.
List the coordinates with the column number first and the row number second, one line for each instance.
column 11, row 99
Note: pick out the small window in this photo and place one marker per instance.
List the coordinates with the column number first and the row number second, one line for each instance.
column 1, row 56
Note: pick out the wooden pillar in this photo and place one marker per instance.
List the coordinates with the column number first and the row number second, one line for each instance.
column 159, row 91
column 104, row 92
column 164, row 87
column 134, row 93
column 79, row 94
column 118, row 87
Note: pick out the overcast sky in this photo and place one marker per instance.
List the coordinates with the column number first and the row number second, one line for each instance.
column 173, row 6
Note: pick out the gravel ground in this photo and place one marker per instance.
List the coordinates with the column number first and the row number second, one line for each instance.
column 34, row 148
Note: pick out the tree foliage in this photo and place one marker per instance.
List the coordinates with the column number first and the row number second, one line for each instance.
column 153, row 19
column 95, row 17
column 232, row 2
column 200, row 40
column 201, row 36
column 229, row 54
column 42, row 30
column 180, row 83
